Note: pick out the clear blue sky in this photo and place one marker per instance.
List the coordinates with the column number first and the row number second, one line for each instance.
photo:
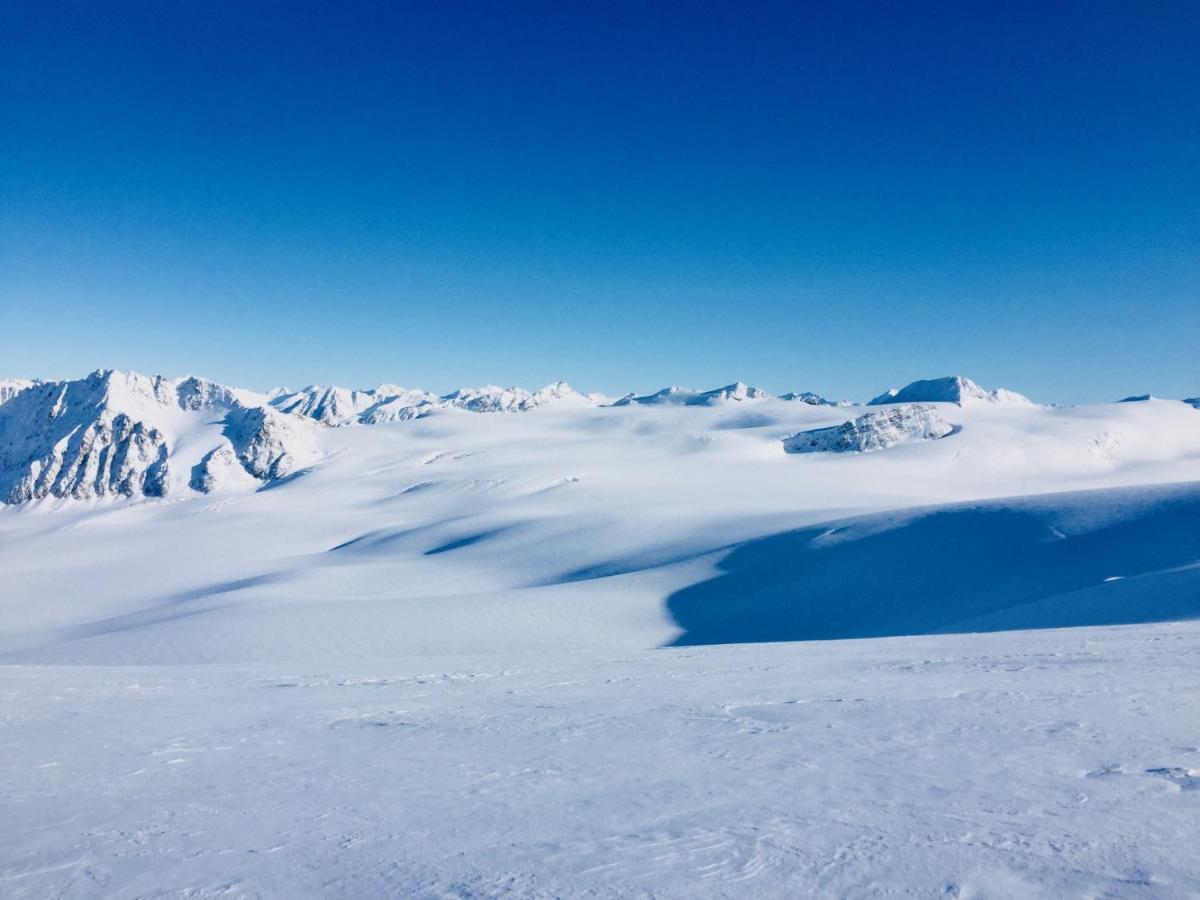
column 832, row 197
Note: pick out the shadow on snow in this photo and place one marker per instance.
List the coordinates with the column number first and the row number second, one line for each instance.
column 1088, row 558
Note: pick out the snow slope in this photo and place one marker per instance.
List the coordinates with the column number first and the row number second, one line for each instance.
column 535, row 654
column 1039, row 764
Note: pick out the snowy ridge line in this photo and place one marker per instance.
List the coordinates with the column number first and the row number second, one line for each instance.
column 132, row 435
column 127, row 434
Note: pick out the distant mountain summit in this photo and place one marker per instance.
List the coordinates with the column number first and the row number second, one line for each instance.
column 391, row 403
column 811, row 399
column 679, row 396
column 951, row 389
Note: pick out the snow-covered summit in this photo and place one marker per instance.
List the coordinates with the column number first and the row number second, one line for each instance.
column 10, row 387
column 811, row 399
column 129, row 434
column 491, row 398
column 331, row 405
column 392, row 403
column 951, row 389
column 558, row 392
column 875, row 430
column 680, row 396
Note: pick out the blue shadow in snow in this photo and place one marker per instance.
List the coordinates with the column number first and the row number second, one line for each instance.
column 982, row 567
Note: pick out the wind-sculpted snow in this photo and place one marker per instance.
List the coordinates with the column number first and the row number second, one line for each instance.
column 876, row 430
column 952, row 389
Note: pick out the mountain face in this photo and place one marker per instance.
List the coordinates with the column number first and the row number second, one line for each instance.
column 952, row 389
column 678, row 396
column 125, row 434
column 876, row 430
column 327, row 405
column 10, row 387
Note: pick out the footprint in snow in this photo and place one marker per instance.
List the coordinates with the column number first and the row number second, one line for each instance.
column 1186, row 779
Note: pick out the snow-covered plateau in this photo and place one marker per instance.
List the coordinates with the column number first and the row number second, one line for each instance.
column 685, row 643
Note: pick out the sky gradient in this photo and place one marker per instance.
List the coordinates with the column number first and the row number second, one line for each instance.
column 832, row 197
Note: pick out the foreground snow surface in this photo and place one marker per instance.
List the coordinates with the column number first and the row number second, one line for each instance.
column 1022, row 764
column 619, row 651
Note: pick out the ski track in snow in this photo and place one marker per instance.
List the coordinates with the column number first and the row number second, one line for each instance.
column 539, row 654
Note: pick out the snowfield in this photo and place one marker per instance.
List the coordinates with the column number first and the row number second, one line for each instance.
column 543, row 644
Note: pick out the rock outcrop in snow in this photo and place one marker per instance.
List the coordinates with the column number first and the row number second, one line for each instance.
column 679, row 396
column 952, row 389
column 875, row 430
column 265, row 442
column 115, row 433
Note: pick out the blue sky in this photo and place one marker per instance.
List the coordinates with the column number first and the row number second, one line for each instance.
column 830, row 197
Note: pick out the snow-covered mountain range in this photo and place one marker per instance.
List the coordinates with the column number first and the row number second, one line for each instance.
column 127, row 434
column 247, row 640
column 134, row 435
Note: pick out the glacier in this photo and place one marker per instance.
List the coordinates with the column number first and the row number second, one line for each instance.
column 500, row 642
